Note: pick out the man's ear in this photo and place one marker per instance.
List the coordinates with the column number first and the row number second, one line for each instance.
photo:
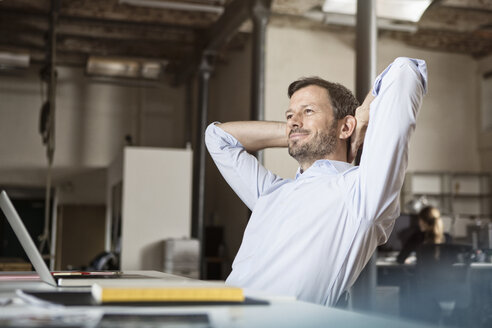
column 346, row 127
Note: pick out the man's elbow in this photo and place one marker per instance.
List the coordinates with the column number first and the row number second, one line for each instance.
column 413, row 71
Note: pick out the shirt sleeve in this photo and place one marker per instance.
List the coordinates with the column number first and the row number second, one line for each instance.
column 241, row 170
column 398, row 96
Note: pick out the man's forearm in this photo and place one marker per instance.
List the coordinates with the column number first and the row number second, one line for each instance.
column 257, row 135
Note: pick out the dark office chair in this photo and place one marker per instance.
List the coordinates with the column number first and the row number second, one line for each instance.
column 104, row 261
column 442, row 293
column 343, row 301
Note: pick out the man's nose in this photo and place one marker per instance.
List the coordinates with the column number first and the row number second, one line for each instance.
column 295, row 121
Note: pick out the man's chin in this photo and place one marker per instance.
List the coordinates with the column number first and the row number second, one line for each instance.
column 296, row 143
column 294, row 151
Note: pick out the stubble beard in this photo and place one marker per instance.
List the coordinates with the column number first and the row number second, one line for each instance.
column 321, row 145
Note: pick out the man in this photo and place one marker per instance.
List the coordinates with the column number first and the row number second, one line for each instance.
column 310, row 237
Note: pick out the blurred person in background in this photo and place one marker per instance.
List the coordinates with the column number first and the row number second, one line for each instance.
column 431, row 231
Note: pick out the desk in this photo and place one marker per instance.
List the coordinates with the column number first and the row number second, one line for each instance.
column 281, row 312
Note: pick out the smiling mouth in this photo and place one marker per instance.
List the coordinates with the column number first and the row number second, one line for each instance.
column 297, row 134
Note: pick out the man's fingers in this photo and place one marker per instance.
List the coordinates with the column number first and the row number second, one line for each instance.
column 354, row 148
column 353, row 151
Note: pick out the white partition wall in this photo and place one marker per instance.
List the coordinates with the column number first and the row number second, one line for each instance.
column 155, row 203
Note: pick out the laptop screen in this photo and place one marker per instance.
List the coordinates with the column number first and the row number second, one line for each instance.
column 25, row 239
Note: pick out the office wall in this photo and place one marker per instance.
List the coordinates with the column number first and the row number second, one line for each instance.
column 92, row 120
column 293, row 53
column 445, row 137
column 484, row 135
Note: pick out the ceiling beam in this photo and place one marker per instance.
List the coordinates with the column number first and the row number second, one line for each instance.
column 113, row 10
column 136, row 48
column 295, row 7
column 27, row 6
column 12, row 25
column 141, row 47
column 467, row 4
column 24, row 39
column 454, row 19
column 471, row 43
column 126, row 31
column 235, row 14
column 219, row 34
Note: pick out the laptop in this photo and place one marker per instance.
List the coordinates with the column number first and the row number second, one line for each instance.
column 75, row 279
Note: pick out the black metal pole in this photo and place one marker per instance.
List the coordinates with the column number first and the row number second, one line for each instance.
column 188, row 117
column 364, row 290
column 260, row 13
column 51, row 75
column 55, row 8
column 205, row 71
column 366, row 45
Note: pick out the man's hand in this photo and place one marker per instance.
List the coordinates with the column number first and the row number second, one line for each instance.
column 362, row 119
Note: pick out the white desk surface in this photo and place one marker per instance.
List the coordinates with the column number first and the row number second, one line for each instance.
column 281, row 312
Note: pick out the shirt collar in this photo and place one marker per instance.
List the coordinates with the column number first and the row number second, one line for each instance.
column 324, row 166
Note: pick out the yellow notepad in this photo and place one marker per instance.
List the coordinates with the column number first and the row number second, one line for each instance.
column 160, row 293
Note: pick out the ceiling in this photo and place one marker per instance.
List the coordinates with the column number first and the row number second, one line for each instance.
column 176, row 36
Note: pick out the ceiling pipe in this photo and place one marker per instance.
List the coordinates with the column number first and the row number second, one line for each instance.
column 160, row 4
column 198, row 192
column 260, row 14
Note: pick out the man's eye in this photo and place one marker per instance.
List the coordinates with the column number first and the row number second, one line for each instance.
column 288, row 117
column 308, row 110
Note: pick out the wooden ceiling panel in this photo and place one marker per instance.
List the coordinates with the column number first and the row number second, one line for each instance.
column 26, row 6
column 111, row 47
column 454, row 19
column 465, row 43
column 113, row 10
column 295, row 7
column 107, row 27
column 26, row 40
column 23, row 23
column 468, row 4
column 122, row 31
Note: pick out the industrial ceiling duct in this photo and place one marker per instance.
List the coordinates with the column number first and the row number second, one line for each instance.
column 13, row 61
column 125, row 68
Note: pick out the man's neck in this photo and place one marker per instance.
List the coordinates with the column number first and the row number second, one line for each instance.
column 339, row 154
column 332, row 157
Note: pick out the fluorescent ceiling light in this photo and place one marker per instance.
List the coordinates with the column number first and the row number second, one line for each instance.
column 10, row 60
column 174, row 5
column 403, row 10
column 123, row 67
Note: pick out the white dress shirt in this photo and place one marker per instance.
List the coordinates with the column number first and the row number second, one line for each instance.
column 310, row 237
